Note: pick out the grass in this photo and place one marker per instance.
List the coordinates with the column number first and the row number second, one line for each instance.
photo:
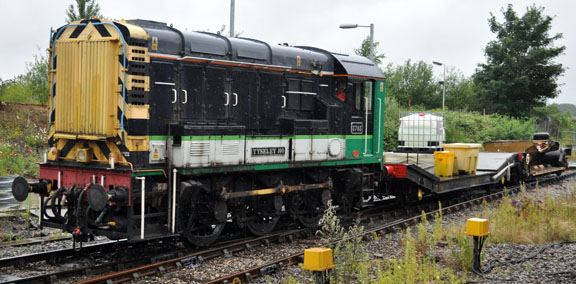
column 522, row 220
column 531, row 221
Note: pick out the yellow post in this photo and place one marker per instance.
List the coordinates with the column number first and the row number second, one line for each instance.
column 319, row 261
column 478, row 229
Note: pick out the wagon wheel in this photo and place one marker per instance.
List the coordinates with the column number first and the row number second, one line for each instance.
column 204, row 219
column 260, row 223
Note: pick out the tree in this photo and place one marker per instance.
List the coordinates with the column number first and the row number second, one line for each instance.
column 520, row 72
column 364, row 50
column 569, row 108
column 31, row 87
column 460, row 93
column 391, row 124
column 37, row 78
column 553, row 120
column 87, row 9
column 413, row 84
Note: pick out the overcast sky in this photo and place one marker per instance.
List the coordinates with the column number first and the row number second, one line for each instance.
column 451, row 31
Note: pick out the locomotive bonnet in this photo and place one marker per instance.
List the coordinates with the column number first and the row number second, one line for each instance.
column 158, row 132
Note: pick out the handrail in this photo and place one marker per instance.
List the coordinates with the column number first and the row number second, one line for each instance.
column 366, row 128
column 379, row 124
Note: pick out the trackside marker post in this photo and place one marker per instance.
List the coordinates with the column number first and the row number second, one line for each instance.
column 478, row 229
column 319, row 261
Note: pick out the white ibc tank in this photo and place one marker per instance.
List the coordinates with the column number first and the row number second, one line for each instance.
column 421, row 132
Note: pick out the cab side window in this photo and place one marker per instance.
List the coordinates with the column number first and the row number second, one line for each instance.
column 368, row 95
column 358, row 97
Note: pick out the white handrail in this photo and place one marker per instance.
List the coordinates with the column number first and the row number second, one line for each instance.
column 379, row 123
column 175, row 95
column 185, row 97
column 366, row 128
column 142, row 205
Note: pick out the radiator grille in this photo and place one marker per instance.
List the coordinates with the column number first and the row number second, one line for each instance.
column 199, row 148
column 230, row 147
column 87, row 93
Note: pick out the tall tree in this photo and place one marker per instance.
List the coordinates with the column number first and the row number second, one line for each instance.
column 31, row 87
column 520, row 72
column 569, row 108
column 460, row 93
column 364, row 50
column 413, row 84
column 87, row 9
column 37, row 77
column 551, row 119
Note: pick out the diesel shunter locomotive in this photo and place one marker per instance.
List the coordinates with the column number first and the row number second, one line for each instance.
column 158, row 132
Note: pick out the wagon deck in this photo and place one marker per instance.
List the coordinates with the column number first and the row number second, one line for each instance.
column 420, row 169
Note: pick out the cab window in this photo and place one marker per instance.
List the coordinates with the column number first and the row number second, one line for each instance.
column 368, row 95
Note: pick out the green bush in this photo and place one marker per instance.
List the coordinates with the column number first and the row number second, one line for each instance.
column 467, row 127
column 391, row 124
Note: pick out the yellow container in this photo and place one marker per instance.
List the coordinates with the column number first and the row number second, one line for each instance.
column 444, row 163
column 466, row 156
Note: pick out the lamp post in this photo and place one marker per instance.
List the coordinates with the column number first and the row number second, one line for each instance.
column 232, row 12
column 443, row 82
column 371, row 26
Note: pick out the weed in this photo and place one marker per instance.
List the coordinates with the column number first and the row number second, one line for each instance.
column 331, row 230
column 424, row 238
column 290, row 280
column 22, row 141
column 438, row 230
column 13, row 161
column 532, row 221
column 353, row 265
column 415, row 267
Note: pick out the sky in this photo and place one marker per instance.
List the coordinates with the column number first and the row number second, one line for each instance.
column 454, row 32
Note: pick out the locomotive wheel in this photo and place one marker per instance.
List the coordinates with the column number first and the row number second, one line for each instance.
column 305, row 209
column 310, row 220
column 206, row 218
column 260, row 223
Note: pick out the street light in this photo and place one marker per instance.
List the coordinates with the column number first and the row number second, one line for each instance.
column 371, row 26
column 443, row 83
column 232, row 12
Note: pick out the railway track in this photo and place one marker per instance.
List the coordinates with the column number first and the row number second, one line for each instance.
column 145, row 264
column 135, row 269
column 33, row 241
column 55, row 256
column 250, row 274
